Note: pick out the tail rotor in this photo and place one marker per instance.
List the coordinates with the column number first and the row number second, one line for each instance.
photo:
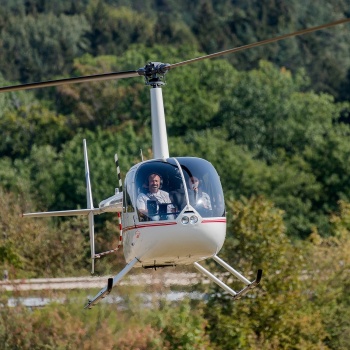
column 90, row 205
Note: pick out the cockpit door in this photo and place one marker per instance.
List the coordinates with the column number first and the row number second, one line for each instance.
column 202, row 187
column 164, row 188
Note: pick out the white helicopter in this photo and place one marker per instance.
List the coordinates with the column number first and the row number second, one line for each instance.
column 165, row 218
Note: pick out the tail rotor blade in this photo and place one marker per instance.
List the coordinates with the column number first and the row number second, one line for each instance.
column 90, row 205
column 87, row 179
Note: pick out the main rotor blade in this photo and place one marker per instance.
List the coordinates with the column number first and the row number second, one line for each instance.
column 260, row 43
column 97, row 77
column 140, row 72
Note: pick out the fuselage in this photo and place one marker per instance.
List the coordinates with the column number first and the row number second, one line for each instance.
column 167, row 223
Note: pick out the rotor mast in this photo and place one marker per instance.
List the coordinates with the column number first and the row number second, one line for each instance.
column 154, row 73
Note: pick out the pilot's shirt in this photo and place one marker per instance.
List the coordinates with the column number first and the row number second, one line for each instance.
column 200, row 199
column 160, row 196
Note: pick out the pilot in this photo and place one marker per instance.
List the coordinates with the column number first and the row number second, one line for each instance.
column 197, row 197
column 156, row 196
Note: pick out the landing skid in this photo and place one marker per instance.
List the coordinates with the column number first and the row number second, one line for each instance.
column 111, row 282
column 236, row 295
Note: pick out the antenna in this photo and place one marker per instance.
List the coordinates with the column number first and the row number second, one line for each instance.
column 116, row 160
column 141, row 154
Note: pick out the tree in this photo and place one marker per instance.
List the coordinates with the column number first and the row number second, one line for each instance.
column 41, row 47
column 277, row 315
column 105, row 105
column 181, row 326
column 61, row 185
column 328, row 277
column 32, row 125
column 328, row 159
column 113, row 29
column 56, row 327
column 36, row 248
column 301, row 138
column 263, row 111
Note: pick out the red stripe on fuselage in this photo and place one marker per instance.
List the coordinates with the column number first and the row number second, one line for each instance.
column 211, row 221
column 159, row 224
column 154, row 224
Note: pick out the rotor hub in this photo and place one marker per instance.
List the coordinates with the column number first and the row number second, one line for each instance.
column 154, row 73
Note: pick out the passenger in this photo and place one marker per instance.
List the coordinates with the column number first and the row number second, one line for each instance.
column 150, row 203
column 197, row 197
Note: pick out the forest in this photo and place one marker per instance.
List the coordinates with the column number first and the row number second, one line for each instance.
column 273, row 120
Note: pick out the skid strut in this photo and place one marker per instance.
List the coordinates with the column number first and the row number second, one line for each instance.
column 111, row 282
column 236, row 295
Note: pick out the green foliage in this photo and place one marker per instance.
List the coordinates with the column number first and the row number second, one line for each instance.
column 14, row 178
column 267, row 130
column 328, row 280
column 328, row 159
column 277, row 315
column 34, row 48
column 68, row 326
column 32, row 248
column 107, row 104
column 182, row 327
column 193, row 94
column 12, row 101
column 302, row 301
column 8, row 256
column 112, row 103
column 278, row 141
column 114, row 29
column 63, row 185
column 110, row 27
column 34, row 7
column 53, row 327
column 290, row 184
column 31, row 125
column 267, row 112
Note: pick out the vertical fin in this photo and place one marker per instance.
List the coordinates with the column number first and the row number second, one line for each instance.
column 90, row 205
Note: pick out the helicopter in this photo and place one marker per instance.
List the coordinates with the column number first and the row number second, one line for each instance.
column 171, row 210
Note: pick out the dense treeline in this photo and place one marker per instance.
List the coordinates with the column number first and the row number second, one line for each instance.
column 303, row 302
column 260, row 128
column 40, row 39
column 274, row 121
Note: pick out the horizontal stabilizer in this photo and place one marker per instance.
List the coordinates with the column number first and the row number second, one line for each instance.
column 96, row 211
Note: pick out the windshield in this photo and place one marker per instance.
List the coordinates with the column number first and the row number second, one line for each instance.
column 203, row 187
column 165, row 188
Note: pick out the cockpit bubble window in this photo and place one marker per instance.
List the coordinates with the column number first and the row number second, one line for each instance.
column 128, row 200
column 154, row 181
column 165, row 188
column 203, row 187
